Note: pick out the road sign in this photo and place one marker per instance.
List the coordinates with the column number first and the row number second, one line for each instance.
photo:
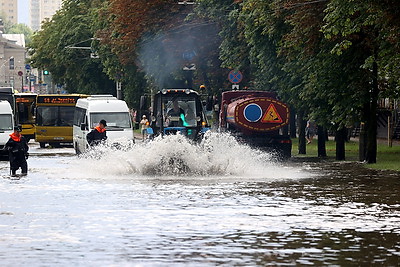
column 189, row 55
column 20, row 73
column 27, row 66
column 235, row 76
column 189, row 67
column 252, row 112
column 272, row 115
column 235, row 86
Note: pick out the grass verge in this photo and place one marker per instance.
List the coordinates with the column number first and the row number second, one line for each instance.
column 388, row 158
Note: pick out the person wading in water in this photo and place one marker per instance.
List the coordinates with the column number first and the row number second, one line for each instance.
column 17, row 148
column 98, row 134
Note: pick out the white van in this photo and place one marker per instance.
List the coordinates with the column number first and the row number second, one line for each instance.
column 88, row 113
column 6, row 123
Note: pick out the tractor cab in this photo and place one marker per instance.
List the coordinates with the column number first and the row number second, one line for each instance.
column 176, row 111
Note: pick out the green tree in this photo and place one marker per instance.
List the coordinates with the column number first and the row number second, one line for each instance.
column 233, row 49
column 21, row 29
column 6, row 23
column 52, row 48
column 330, row 82
column 372, row 29
column 155, row 39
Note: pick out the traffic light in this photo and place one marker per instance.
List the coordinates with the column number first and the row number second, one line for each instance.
column 46, row 72
column 12, row 63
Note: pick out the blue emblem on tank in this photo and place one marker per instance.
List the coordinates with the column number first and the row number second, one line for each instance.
column 252, row 112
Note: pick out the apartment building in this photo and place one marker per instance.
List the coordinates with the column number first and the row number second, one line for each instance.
column 12, row 60
column 42, row 9
column 9, row 10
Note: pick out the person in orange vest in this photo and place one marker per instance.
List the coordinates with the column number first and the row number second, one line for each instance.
column 98, row 134
column 17, row 152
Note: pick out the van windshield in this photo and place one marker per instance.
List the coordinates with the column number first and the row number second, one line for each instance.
column 113, row 119
column 6, row 122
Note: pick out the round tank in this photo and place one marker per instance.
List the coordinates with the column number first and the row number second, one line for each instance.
column 259, row 114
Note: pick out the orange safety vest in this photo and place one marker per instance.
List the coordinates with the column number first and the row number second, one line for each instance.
column 16, row 138
column 99, row 129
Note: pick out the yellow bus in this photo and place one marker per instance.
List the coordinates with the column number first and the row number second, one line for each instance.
column 54, row 118
column 25, row 104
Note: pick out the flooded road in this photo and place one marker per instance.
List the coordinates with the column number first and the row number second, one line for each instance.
column 218, row 204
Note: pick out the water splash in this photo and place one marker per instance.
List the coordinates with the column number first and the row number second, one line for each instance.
column 219, row 154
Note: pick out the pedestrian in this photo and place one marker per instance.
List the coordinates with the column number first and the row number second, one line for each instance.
column 310, row 131
column 133, row 114
column 98, row 134
column 17, row 148
column 144, row 125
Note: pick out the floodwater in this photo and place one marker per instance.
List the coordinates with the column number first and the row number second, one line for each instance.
column 169, row 203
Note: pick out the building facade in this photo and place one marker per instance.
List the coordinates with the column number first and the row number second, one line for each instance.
column 9, row 10
column 42, row 9
column 12, row 61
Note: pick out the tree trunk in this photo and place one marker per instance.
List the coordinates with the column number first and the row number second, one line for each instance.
column 372, row 118
column 362, row 145
column 340, row 144
column 321, row 141
column 302, row 133
column 292, row 123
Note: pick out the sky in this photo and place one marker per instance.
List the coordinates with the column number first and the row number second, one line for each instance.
column 23, row 11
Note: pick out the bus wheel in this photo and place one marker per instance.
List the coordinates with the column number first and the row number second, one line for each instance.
column 56, row 145
column 42, row 145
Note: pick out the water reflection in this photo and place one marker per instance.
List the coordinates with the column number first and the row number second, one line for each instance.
column 318, row 213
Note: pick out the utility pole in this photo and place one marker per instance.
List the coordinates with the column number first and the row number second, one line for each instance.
column 28, row 74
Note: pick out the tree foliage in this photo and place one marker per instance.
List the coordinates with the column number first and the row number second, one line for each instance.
column 330, row 59
column 318, row 55
column 156, row 37
column 20, row 28
column 53, row 49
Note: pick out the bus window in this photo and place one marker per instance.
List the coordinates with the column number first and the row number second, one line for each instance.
column 66, row 116
column 23, row 115
column 55, row 116
column 46, row 116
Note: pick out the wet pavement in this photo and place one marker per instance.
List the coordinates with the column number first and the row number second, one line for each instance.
column 220, row 203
